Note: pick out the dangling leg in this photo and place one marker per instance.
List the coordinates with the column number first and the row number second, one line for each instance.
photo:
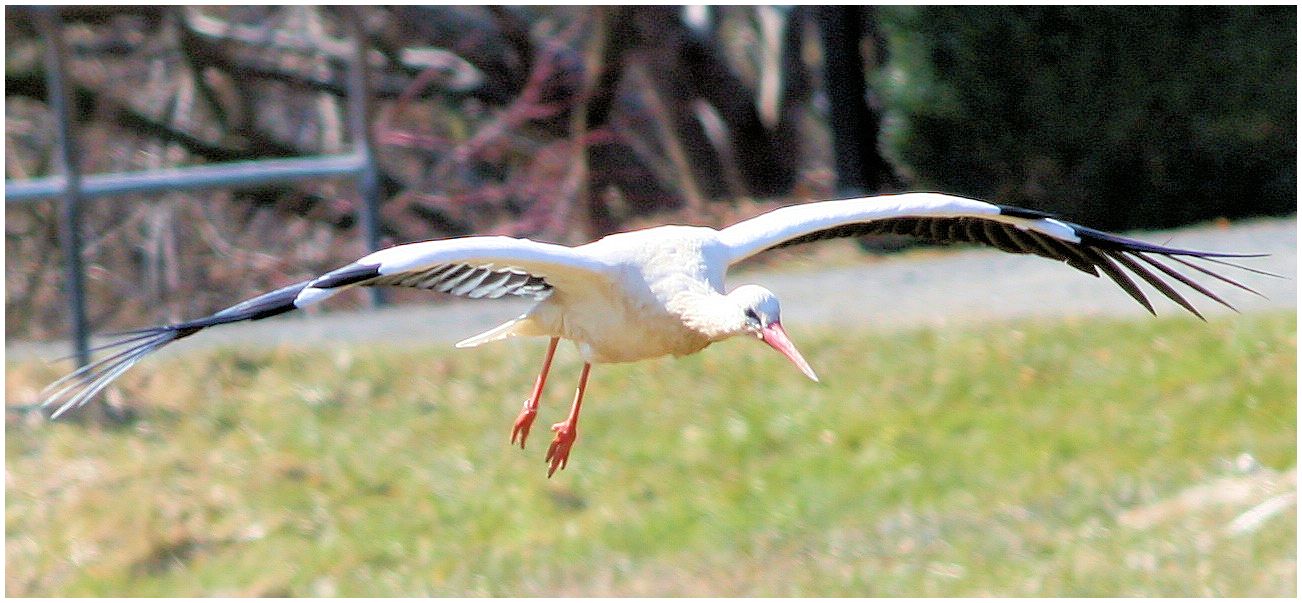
column 530, row 410
column 559, row 452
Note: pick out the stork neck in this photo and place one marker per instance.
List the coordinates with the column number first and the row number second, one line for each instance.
column 713, row 315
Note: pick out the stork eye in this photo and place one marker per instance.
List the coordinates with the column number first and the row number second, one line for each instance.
column 752, row 316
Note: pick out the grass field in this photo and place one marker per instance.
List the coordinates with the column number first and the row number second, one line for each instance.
column 1085, row 457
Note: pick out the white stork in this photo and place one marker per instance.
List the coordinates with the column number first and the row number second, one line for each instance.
column 647, row 293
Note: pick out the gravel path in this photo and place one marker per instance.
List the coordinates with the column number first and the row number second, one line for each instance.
column 937, row 288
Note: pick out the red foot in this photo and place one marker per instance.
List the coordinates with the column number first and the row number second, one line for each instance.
column 558, row 454
column 522, row 425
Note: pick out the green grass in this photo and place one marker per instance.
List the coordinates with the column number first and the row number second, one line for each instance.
column 1085, row 457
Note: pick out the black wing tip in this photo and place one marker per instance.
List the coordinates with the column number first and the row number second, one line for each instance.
column 1106, row 240
column 277, row 302
column 1022, row 212
column 351, row 274
column 80, row 386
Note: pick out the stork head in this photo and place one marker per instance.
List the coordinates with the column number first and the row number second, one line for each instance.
column 762, row 318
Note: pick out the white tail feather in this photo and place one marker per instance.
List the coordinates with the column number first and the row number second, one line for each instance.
column 511, row 328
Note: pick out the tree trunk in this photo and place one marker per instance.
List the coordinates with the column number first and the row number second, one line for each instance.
column 860, row 166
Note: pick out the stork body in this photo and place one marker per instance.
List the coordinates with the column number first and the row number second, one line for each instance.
column 661, row 291
column 655, row 286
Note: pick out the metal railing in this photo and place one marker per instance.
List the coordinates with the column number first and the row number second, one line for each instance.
column 73, row 188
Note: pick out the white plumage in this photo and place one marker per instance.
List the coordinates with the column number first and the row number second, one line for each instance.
column 661, row 291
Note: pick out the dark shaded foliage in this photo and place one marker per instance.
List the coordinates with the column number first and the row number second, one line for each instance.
column 1120, row 117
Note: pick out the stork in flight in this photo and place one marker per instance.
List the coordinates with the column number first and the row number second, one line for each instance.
column 647, row 293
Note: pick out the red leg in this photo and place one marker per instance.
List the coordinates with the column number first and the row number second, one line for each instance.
column 558, row 454
column 530, row 410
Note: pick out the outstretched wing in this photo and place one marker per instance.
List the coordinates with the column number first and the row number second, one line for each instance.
column 943, row 219
column 474, row 267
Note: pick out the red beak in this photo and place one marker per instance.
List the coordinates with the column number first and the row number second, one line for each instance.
column 776, row 337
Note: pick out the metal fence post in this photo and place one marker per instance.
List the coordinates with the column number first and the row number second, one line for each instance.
column 70, row 227
column 368, row 174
